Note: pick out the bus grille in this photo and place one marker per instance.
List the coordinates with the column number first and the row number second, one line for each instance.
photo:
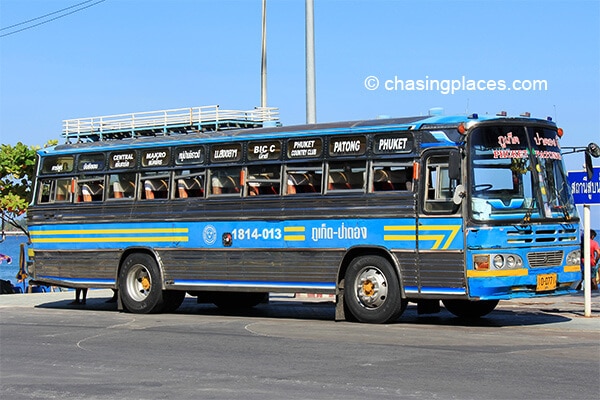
column 545, row 258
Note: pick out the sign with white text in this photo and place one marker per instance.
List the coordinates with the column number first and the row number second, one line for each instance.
column 585, row 191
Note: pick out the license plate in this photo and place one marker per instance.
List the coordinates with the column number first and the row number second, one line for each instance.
column 545, row 282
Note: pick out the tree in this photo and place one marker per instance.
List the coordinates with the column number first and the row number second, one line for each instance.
column 17, row 168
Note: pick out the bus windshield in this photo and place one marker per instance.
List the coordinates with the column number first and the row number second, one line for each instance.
column 517, row 174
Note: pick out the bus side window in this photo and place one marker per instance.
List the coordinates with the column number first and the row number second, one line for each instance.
column 121, row 186
column 46, row 193
column 438, row 194
column 392, row 177
column 346, row 175
column 263, row 180
column 189, row 187
column 304, row 178
column 63, row 190
column 155, row 189
column 90, row 190
column 225, row 181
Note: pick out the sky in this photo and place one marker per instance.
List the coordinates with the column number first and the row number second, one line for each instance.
column 125, row 56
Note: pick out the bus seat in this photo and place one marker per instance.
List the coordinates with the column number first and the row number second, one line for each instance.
column 338, row 180
column 91, row 190
column 155, row 189
column 189, row 187
column 381, row 181
column 230, row 186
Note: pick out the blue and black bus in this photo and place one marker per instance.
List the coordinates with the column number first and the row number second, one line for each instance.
column 466, row 210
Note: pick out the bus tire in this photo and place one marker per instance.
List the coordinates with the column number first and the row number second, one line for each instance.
column 470, row 309
column 172, row 300
column 372, row 291
column 139, row 284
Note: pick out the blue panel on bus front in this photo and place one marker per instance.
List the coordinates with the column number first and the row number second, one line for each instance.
column 434, row 234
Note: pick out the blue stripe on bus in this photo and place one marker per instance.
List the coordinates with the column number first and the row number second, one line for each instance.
column 435, row 290
column 400, row 233
column 86, row 281
column 255, row 284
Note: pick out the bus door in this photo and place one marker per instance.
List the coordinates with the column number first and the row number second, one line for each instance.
column 439, row 230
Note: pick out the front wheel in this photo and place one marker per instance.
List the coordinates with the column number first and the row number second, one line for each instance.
column 470, row 309
column 372, row 291
column 140, row 285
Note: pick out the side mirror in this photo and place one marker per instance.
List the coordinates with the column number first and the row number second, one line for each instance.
column 592, row 150
column 454, row 165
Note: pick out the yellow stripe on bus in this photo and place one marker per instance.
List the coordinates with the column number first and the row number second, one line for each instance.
column 572, row 268
column 294, row 228
column 437, row 238
column 113, row 239
column 294, row 238
column 107, row 231
column 496, row 273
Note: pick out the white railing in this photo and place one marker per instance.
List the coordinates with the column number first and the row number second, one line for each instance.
column 165, row 119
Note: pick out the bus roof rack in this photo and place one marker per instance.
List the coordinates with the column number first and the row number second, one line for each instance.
column 167, row 122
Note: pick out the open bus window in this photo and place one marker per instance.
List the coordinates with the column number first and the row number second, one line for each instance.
column 55, row 190
column 46, row 191
column 346, row 176
column 304, row 178
column 263, row 180
column 121, row 186
column 154, row 185
column 90, row 189
column 225, row 181
column 391, row 177
column 190, row 184
column 438, row 193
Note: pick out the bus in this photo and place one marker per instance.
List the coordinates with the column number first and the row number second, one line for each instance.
column 459, row 210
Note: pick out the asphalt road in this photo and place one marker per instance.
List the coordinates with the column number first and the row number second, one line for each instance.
column 293, row 349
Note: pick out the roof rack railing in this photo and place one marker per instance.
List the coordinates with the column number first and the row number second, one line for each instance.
column 167, row 122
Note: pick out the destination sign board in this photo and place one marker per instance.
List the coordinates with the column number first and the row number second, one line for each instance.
column 189, row 155
column 305, row 148
column 264, row 150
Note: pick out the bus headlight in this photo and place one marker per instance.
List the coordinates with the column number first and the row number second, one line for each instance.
column 574, row 257
column 498, row 261
column 511, row 262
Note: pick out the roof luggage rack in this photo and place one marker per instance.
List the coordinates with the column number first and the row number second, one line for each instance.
column 167, row 122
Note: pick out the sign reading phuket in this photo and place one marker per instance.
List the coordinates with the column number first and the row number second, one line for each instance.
column 585, row 191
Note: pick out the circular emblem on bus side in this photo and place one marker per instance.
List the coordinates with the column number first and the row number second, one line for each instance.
column 209, row 234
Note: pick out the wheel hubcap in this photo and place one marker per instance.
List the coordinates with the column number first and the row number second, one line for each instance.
column 139, row 283
column 371, row 287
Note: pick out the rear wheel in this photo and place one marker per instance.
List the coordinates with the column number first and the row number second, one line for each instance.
column 139, row 284
column 470, row 309
column 372, row 291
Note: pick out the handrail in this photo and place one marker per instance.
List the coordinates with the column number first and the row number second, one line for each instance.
column 162, row 120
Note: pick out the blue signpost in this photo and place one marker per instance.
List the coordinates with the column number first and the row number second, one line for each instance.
column 586, row 191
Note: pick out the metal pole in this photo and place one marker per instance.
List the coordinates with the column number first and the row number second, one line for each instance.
column 311, row 113
column 263, row 66
column 587, row 270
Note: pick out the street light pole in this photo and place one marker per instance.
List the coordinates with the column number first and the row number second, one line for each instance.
column 263, row 66
column 311, row 113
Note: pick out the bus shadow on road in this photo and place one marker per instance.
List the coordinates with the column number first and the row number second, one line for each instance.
column 325, row 311
column 496, row 319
